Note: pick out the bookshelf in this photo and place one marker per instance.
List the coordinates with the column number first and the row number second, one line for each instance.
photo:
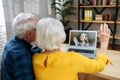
column 107, row 6
column 94, row 21
column 81, row 16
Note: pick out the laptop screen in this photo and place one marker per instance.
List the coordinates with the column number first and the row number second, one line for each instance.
column 83, row 42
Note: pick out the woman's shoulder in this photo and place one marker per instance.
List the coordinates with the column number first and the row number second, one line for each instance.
column 59, row 53
column 38, row 55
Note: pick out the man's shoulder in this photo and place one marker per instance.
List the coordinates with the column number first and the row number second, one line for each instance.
column 14, row 45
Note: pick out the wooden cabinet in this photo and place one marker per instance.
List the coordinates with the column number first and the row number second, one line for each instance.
column 81, row 14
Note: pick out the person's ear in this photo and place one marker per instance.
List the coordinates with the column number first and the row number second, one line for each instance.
column 28, row 34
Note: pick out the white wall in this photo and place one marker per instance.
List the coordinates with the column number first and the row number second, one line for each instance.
column 39, row 8
column 1, row 14
column 13, row 7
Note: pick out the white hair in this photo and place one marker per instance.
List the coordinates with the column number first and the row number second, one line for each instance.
column 21, row 24
column 50, row 34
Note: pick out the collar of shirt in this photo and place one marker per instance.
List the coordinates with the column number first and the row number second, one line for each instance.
column 24, row 42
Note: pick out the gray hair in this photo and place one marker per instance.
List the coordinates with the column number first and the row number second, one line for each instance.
column 50, row 34
column 22, row 23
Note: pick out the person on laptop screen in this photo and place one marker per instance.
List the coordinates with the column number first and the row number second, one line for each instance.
column 54, row 64
column 84, row 40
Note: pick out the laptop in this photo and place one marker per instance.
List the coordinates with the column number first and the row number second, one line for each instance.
column 83, row 42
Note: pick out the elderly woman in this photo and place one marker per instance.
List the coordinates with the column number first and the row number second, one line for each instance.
column 53, row 64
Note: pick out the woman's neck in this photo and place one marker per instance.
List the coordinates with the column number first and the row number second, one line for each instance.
column 50, row 51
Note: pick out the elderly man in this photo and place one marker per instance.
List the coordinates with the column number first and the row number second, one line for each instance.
column 17, row 55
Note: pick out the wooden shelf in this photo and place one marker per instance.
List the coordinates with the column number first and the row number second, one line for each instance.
column 108, row 6
column 116, row 36
column 110, row 22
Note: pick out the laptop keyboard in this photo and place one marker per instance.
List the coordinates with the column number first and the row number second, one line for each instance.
column 82, row 51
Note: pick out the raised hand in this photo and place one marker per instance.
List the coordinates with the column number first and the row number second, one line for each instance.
column 104, row 36
column 104, row 33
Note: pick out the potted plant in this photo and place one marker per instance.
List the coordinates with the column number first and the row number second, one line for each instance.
column 63, row 9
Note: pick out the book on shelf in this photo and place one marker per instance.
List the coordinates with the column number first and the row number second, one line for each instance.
column 94, row 2
column 86, row 15
column 100, row 2
column 113, row 2
column 98, row 17
column 108, row 17
column 89, row 15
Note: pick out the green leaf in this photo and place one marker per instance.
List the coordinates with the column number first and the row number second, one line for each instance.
column 64, row 11
column 58, row 9
column 66, row 22
column 55, row 3
column 58, row 13
column 68, row 3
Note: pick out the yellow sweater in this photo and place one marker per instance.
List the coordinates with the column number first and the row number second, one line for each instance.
column 66, row 65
